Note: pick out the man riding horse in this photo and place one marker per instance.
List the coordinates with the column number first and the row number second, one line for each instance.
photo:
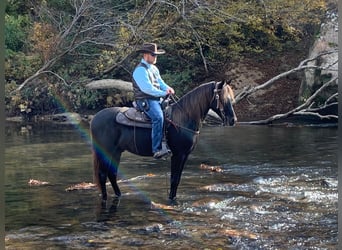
column 148, row 88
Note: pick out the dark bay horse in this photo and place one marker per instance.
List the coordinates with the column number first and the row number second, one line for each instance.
column 110, row 139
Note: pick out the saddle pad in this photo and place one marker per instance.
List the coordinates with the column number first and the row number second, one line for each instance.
column 135, row 122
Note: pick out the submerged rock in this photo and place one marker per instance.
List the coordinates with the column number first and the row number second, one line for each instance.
column 81, row 186
column 328, row 183
column 64, row 118
column 33, row 182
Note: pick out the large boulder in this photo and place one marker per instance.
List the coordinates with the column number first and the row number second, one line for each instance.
column 314, row 78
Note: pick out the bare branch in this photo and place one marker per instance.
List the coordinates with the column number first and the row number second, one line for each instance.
column 302, row 66
column 316, row 115
column 55, row 74
column 331, row 97
column 300, row 108
column 38, row 74
column 61, row 38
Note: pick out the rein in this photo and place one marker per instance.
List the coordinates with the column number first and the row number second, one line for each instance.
column 177, row 126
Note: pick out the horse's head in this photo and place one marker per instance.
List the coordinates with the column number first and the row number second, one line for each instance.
column 222, row 103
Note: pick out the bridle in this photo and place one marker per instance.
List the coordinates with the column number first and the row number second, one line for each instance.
column 216, row 97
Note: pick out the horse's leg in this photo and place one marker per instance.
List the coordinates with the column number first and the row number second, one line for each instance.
column 177, row 165
column 112, row 177
column 112, row 174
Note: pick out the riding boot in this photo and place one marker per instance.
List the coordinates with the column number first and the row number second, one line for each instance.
column 164, row 152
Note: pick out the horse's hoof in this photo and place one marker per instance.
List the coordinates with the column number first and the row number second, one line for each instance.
column 104, row 198
column 173, row 202
column 103, row 203
column 116, row 199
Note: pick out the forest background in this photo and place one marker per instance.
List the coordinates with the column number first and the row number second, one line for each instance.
column 54, row 48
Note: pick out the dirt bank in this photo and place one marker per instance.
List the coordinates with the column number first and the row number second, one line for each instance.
column 281, row 97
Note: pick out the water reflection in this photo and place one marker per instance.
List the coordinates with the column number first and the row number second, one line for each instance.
column 276, row 187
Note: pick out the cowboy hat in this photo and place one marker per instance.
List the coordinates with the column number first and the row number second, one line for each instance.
column 151, row 48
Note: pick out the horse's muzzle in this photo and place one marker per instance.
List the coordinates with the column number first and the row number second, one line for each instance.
column 231, row 121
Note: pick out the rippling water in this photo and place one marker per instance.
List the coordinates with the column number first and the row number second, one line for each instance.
column 243, row 188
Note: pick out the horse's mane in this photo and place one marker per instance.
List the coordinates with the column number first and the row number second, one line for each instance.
column 227, row 94
column 193, row 105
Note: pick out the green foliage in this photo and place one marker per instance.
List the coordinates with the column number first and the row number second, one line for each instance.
column 64, row 5
column 180, row 81
column 51, row 98
column 12, row 101
column 18, row 7
column 15, row 32
column 82, row 98
column 19, row 66
column 31, row 101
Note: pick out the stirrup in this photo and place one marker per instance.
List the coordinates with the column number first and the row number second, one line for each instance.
column 164, row 152
column 161, row 154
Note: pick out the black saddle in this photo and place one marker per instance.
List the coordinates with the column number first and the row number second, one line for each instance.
column 133, row 117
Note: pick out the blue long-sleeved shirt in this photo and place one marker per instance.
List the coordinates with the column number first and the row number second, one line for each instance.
column 141, row 77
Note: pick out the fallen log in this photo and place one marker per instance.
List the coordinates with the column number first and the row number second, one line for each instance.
column 110, row 84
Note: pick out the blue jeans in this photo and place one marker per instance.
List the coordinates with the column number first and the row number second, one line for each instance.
column 155, row 113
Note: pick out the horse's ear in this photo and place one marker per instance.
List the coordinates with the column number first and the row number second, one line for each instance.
column 221, row 84
column 224, row 82
column 228, row 82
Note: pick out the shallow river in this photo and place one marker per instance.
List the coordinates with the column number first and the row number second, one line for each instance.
column 244, row 187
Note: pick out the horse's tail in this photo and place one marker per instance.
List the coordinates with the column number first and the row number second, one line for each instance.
column 96, row 168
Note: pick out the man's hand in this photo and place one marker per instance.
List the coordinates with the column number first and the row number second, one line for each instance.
column 170, row 91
